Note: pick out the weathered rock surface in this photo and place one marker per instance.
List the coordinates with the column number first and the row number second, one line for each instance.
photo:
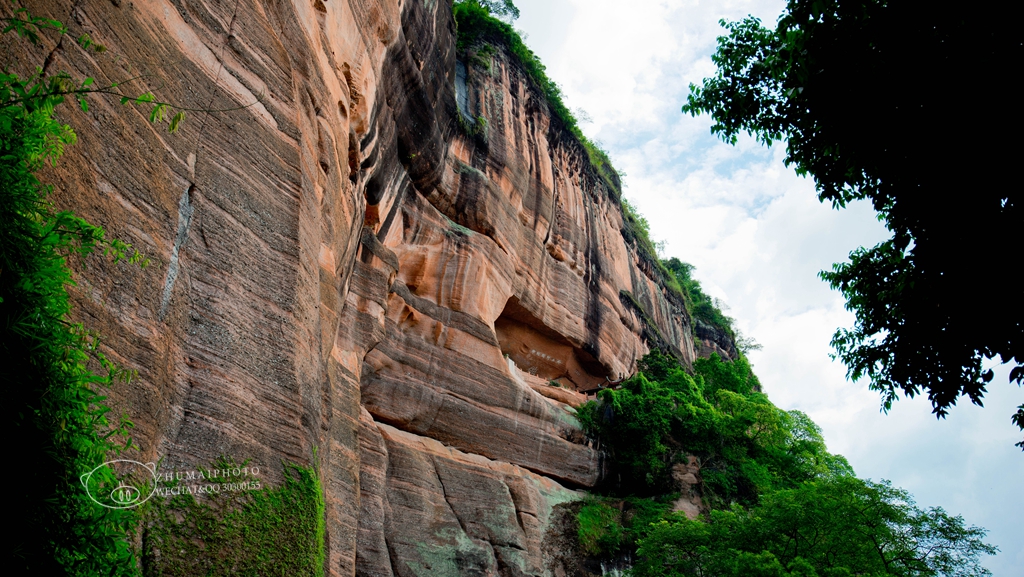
column 428, row 509
column 713, row 340
column 340, row 266
column 686, row 478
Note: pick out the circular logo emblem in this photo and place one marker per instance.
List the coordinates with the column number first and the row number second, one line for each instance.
column 121, row 483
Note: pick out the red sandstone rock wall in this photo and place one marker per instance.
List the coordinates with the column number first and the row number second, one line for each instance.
column 340, row 266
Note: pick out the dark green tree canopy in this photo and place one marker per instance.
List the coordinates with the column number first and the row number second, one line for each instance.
column 906, row 106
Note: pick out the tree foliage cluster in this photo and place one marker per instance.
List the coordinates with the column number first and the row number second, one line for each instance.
column 746, row 445
column 865, row 94
column 782, row 505
column 830, row 527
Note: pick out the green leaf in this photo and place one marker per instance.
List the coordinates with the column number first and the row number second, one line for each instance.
column 176, row 121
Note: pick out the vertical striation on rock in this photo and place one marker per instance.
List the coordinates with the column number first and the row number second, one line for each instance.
column 353, row 274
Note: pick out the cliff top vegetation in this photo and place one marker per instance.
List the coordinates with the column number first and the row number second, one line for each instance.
column 482, row 22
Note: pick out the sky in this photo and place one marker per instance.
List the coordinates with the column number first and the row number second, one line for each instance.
column 758, row 237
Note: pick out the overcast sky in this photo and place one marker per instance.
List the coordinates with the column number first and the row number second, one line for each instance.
column 758, row 237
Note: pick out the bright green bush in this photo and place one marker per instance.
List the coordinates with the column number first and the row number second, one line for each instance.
column 640, row 513
column 608, row 526
column 633, row 424
column 600, row 530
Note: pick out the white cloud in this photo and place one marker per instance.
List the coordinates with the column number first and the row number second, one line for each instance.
column 758, row 236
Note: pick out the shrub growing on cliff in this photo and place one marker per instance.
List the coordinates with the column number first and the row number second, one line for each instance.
column 477, row 24
column 607, row 527
column 600, row 530
column 702, row 306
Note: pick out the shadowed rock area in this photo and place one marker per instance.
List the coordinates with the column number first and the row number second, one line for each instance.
column 347, row 277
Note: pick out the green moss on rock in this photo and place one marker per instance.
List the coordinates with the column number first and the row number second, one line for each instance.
column 242, row 528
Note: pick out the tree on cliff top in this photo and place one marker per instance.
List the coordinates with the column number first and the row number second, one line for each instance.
column 870, row 98
column 505, row 9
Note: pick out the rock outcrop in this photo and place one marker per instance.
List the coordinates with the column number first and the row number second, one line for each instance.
column 350, row 275
column 714, row 340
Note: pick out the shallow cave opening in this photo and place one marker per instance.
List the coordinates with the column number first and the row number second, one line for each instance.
column 538, row 350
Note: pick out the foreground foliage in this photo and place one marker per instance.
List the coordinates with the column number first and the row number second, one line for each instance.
column 860, row 92
column 57, row 374
column 54, row 402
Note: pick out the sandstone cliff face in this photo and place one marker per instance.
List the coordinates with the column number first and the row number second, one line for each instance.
column 342, row 266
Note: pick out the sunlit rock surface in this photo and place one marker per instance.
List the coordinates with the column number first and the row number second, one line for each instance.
column 343, row 275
